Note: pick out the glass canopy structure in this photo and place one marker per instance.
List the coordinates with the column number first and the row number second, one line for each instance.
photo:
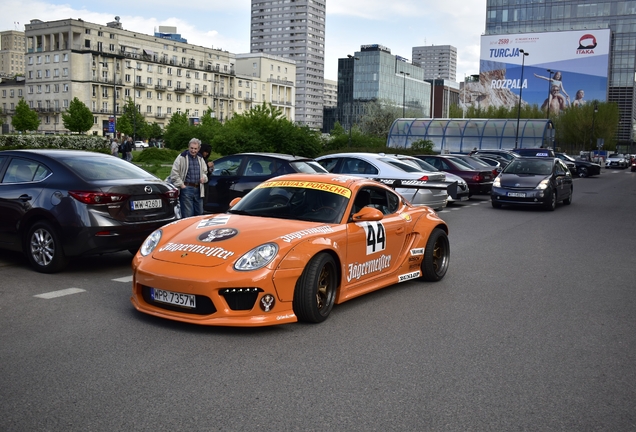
column 463, row 135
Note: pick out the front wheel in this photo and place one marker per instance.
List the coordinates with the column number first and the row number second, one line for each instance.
column 495, row 204
column 551, row 204
column 568, row 200
column 583, row 172
column 315, row 291
column 436, row 256
column 44, row 248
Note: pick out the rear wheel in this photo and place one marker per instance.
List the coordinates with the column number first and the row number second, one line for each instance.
column 44, row 248
column 315, row 291
column 436, row 256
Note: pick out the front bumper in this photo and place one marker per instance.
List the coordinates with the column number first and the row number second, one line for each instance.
column 249, row 299
column 511, row 196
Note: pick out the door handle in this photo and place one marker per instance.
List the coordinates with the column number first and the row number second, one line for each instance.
column 25, row 197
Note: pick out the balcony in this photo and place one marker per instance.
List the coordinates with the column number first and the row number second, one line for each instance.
column 197, row 92
column 140, row 85
column 160, row 87
column 160, row 116
column 180, row 89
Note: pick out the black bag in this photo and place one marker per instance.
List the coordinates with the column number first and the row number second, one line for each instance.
column 121, row 148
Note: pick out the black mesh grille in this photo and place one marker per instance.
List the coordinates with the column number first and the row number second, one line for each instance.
column 240, row 298
column 204, row 304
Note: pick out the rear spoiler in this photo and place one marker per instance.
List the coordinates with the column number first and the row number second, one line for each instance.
column 450, row 187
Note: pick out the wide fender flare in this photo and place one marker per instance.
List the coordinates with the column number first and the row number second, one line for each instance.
column 425, row 225
column 292, row 265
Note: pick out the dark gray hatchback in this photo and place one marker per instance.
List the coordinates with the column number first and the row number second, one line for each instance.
column 56, row 204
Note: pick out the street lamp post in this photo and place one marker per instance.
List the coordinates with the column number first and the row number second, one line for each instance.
column 550, row 71
column 593, row 119
column 351, row 103
column 523, row 58
column 433, row 101
column 404, row 74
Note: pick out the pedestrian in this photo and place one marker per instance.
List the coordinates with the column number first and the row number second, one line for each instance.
column 189, row 174
column 129, row 147
column 114, row 147
column 205, row 151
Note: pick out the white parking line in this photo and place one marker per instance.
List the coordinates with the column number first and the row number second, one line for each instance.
column 124, row 279
column 60, row 293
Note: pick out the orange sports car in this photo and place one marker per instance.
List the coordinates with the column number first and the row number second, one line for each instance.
column 288, row 251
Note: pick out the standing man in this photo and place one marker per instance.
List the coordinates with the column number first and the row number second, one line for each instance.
column 114, row 147
column 129, row 148
column 189, row 175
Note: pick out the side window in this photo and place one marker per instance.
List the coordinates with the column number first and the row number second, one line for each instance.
column 444, row 165
column 375, row 198
column 358, row 166
column 257, row 166
column 329, row 164
column 20, row 171
column 227, row 166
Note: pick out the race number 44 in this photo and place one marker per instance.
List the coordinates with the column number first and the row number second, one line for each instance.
column 376, row 237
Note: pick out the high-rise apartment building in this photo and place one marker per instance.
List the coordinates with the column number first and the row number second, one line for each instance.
column 295, row 30
column 12, row 47
column 437, row 61
column 530, row 16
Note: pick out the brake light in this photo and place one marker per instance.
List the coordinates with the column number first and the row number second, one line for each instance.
column 494, row 172
column 477, row 178
column 424, row 178
column 97, row 197
column 172, row 193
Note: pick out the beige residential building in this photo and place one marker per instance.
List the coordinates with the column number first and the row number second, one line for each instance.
column 12, row 47
column 272, row 81
column 104, row 66
column 330, row 97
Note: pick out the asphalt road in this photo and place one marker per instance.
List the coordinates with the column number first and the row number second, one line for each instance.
column 533, row 328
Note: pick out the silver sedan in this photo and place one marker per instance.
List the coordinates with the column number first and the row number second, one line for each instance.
column 420, row 188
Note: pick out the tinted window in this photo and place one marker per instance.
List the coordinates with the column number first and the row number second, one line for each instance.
column 24, row 170
column 227, row 166
column 329, row 164
column 358, row 166
column 402, row 165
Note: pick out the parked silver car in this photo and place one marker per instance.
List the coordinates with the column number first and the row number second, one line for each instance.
column 420, row 188
column 461, row 193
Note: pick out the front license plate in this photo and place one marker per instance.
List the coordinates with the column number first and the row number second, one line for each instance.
column 178, row 299
column 517, row 194
column 145, row 204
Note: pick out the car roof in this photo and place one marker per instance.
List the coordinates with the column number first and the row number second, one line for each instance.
column 54, row 153
column 287, row 157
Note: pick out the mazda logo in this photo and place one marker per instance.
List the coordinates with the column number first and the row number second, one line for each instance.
column 148, row 189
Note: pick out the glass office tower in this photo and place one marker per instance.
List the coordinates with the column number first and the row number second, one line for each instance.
column 533, row 16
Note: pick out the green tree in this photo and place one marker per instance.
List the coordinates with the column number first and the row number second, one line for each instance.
column 154, row 130
column 178, row 132
column 264, row 128
column 378, row 118
column 25, row 119
column 78, row 117
column 132, row 122
column 578, row 128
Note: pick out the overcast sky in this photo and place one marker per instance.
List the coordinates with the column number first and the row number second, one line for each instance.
column 396, row 24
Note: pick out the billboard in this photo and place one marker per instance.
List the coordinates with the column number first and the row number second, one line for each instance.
column 578, row 61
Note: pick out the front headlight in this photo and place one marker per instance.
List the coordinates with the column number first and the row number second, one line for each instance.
column 257, row 258
column 544, row 184
column 497, row 182
column 150, row 243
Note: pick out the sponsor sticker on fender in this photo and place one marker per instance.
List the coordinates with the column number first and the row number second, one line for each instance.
column 327, row 187
column 356, row 271
column 417, row 251
column 408, row 276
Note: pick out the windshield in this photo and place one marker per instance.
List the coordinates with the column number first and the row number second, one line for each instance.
column 308, row 167
column 529, row 167
column 565, row 157
column 461, row 165
column 402, row 165
column 297, row 203
column 92, row 168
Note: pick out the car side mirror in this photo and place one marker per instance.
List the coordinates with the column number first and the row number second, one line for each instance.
column 367, row 214
column 234, row 201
